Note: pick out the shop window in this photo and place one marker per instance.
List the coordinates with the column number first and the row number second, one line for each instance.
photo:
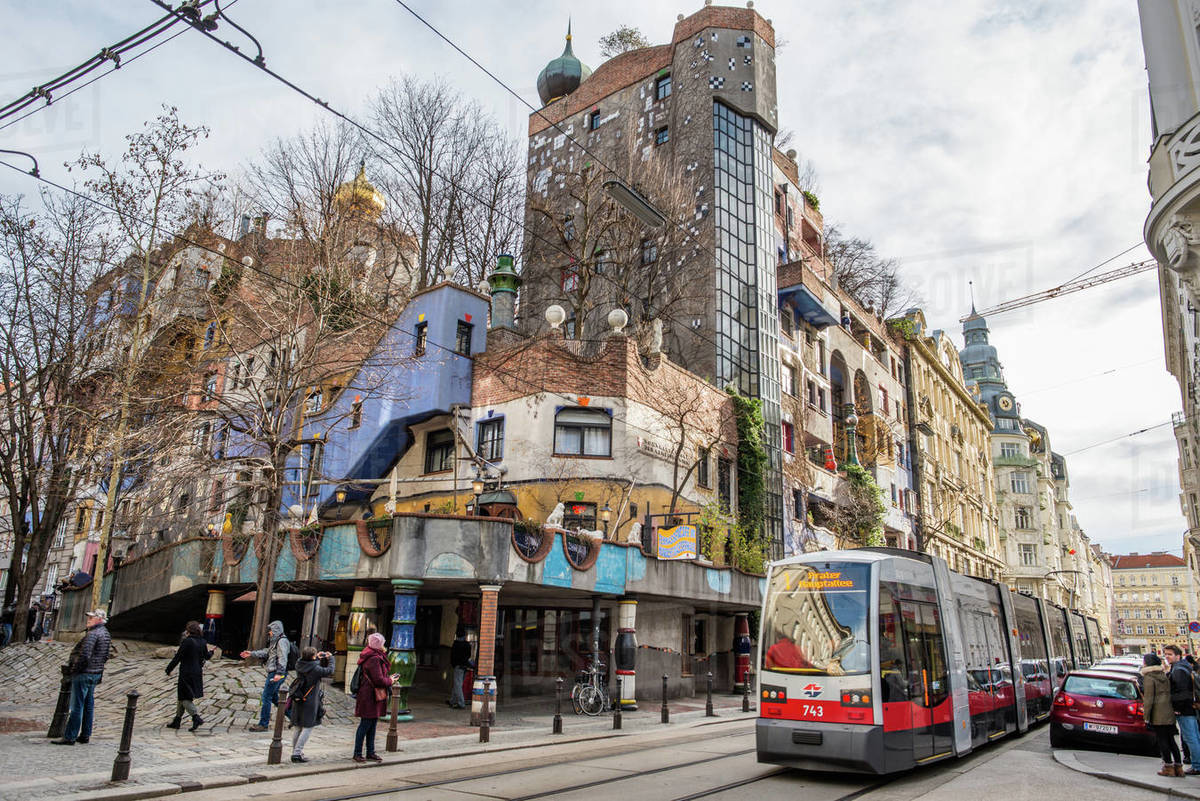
column 439, row 450
column 582, row 432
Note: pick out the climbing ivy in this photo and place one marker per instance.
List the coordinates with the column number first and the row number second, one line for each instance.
column 752, row 461
column 865, row 511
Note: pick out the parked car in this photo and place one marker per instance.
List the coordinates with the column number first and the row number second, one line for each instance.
column 1101, row 706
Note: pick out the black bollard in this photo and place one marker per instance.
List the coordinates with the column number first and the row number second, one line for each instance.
column 121, row 764
column 59, row 722
column 557, row 706
column 708, row 707
column 666, row 713
column 275, row 752
column 485, row 734
column 617, row 706
column 746, row 691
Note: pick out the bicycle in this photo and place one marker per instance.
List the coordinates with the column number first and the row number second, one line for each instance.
column 589, row 696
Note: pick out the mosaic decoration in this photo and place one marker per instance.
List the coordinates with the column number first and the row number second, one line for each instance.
column 732, row 62
column 699, row 42
column 747, row 59
column 743, row 41
column 715, row 82
column 677, row 543
column 747, row 86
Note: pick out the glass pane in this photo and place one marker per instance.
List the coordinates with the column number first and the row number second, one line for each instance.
column 816, row 619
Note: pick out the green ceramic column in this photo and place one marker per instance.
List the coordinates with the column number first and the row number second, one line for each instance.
column 401, row 653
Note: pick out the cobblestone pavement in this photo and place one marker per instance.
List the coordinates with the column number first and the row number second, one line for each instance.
column 29, row 680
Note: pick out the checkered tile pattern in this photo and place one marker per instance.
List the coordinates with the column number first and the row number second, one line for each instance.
column 716, row 82
column 747, row 86
column 742, row 41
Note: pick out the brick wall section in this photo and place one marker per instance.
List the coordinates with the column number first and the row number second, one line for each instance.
column 611, row 76
column 724, row 17
column 612, row 369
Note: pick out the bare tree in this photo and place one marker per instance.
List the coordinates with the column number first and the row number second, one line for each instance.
column 872, row 280
column 49, row 327
column 696, row 418
column 622, row 40
column 452, row 178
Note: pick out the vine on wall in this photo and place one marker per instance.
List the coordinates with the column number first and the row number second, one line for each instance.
column 752, row 461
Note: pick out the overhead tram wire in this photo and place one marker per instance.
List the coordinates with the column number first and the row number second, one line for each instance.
column 281, row 280
column 1118, row 439
column 323, row 104
column 50, row 91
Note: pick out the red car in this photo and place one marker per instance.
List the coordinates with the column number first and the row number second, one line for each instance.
column 1100, row 707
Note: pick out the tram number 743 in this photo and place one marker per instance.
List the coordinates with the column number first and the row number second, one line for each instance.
column 813, row 711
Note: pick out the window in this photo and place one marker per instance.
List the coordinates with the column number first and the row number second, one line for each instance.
column 462, row 338
column 593, row 120
column 1007, row 424
column 1023, row 517
column 200, row 437
column 1175, row 580
column 649, row 251
column 1010, row 449
column 210, row 386
column 579, row 515
column 249, row 374
column 51, row 577
column 582, row 432
column 883, row 397
column 232, row 374
column 184, row 501
column 821, row 399
column 786, row 320
column 703, row 479
column 778, row 202
column 1028, row 555
column 356, row 412
column 1020, row 482
column 439, row 450
column 811, row 387
column 312, row 404
column 788, row 437
column 798, row 504
column 787, row 379
column 662, row 87
column 821, row 368
column 422, row 334
column 662, row 136
column 490, row 438
column 60, row 538
column 210, row 334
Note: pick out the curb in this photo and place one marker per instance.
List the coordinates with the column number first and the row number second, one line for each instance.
column 253, row 774
column 1068, row 759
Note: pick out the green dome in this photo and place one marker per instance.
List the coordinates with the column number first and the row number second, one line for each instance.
column 562, row 75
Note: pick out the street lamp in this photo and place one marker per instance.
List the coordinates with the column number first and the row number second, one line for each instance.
column 634, row 202
column 477, row 489
column 340, row 495
column 851, row 435
column 605, row 516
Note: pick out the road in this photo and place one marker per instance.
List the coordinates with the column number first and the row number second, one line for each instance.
column 710, row 762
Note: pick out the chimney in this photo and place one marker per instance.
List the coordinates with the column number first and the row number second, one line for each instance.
column 504, row 282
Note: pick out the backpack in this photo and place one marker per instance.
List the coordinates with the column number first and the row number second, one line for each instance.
column 293, row 655
column 1195, row 690
column 356, row 680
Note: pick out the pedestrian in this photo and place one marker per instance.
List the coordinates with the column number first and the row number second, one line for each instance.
column 306, row 699
column 1159, row 713
column 460, row 660
column 190, row 657
column 6, row 624
column 276, row 657
column 370, row 702
column 85, row 666
column 1182, row 701
column 33, row 630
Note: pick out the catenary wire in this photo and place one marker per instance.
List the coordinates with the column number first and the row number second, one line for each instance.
column 1116, row 439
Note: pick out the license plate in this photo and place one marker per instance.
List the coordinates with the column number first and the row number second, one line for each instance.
column 1100, row 727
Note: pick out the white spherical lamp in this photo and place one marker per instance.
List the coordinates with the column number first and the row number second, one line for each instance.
column 555, row 316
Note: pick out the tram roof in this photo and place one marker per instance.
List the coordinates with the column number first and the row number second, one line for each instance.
column 867, row 555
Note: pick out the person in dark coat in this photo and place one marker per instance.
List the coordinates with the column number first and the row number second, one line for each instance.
column 190, row 657
column 307, row 698
column 1159, row 714
column 85, row 666
column 370, row 703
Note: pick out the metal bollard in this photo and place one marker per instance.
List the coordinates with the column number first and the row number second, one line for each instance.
column 746, row 691
column 275, row 752
column 393, row 737
column 485, row 734
column 708, row 707
column 666, row 713
column 120, row 770
column 617, row 706
column 557, row 729
column 58, row 723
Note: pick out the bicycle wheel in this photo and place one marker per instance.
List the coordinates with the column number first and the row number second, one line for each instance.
column 575, row 693
column 591, row 700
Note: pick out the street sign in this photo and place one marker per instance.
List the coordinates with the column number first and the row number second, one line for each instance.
column 1194, row 627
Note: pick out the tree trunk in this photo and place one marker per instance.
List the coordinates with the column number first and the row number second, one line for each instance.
column 265, row 586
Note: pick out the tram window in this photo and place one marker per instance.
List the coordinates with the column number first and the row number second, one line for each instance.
column 893, row 667
column 816, row 617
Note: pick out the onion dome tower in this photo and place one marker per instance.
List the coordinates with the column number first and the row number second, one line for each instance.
column 562, row 75
column 359, row 198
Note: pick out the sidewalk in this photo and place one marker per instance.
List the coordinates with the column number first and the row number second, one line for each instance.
column 1136, row 771
column 223, row 752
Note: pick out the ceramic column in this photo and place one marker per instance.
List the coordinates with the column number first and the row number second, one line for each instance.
column 741, row 649
column 486, row 667
column 213, row 615
column 625, row 654
column 364, row 614
column 401, row 653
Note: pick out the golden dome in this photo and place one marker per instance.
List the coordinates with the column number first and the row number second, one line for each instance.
column 359, row 196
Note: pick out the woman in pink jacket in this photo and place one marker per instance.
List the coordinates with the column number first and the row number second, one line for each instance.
column 370, row 703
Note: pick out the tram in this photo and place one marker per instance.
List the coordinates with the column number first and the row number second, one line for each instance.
column 877, row 660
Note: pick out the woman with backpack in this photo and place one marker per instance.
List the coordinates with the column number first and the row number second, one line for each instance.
column 306, row 701
column 370, row 702
column 1159, row 715
column 190, row 657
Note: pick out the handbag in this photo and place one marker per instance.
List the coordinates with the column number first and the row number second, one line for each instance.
column 381, row 693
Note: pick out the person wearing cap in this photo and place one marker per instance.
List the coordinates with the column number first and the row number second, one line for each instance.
column 276, row 657
column 86, row 667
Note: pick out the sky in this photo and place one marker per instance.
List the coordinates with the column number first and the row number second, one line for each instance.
column 994, row 142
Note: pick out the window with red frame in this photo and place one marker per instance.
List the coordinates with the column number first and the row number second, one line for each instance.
column 788, row 440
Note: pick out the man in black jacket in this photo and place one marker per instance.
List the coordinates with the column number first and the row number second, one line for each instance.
column 460, row 660
column 86, row 667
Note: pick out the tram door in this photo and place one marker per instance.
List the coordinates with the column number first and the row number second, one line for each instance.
column 928, row 682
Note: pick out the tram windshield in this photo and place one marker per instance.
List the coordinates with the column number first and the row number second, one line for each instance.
column 815, row 619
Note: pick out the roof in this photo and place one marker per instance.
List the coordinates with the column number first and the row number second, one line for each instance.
column 1135, row 561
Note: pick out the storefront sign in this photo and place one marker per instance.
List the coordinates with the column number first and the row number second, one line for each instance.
column 677, row 543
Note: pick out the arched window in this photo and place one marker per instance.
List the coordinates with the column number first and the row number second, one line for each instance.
column 582, row 432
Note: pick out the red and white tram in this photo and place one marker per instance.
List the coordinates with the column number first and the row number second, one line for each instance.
column 876, row 660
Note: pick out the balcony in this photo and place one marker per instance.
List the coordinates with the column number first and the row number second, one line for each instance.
column 1014, row 461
